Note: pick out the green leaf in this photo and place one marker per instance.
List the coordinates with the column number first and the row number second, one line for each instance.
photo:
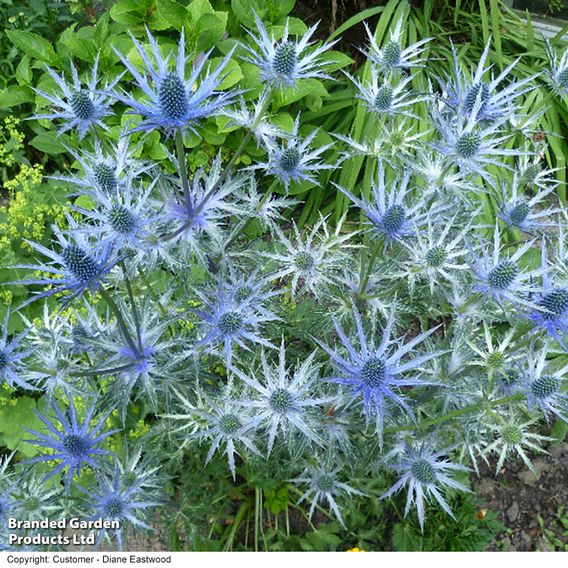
column 354, row 20
column 14, row 95
column 209, row 30
column 172, row 12
column 129, row 11
column 32, row 44
column 244, row 10
column 47, row 142
column 23, row 71
column 12, row 418
column 198, row 9
column 232, row 72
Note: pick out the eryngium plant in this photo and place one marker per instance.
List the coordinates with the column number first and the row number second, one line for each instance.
column 393, row 343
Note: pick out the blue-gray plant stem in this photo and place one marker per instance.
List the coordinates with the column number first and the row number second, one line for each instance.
column 135, row 314
column 182, row 166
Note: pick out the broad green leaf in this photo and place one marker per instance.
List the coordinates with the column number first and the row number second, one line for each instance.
column 47, row 142
column 172, row 12
column 198, row 9
column 32, row 44
column 209, row 30
column 14, row 95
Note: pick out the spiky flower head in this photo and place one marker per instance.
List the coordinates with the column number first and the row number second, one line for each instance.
column 558, row 72
column 375, row 374
column 174, row 103
column 285, row 62
column 324, row 486
column 425, row 472
column 285, row 399
column 72, row 443
column 13, row 370
column 392, row 55
column 79, row 106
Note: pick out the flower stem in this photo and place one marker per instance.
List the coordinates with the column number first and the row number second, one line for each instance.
column 135, row 314
column 180, row 152
column 367, row 274
column 119, row 319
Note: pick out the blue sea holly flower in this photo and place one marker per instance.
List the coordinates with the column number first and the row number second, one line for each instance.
column 72, row 443
column 312, row 260
column 425, row 472
column 392, row 55
column 293, row 161
column 473, row 146
column 228, row 319
column 558, row 72
column 375, row 374
column 522, row 213
column 172, row 102
column 533, row 176
column 34, row 501
column 324, row 486
column 223, row 422
column 80, row 107
column 122, row 220
column 462, row 92
column 387, row 97
column 543, row 387
column 284, row 400
column 112, row 502
column 81, row 264
column 285, row 62
column 106, row 172
column 388, row 214
column 13, row 370
column 7, row 485
column 551, row 306
column 502, row 278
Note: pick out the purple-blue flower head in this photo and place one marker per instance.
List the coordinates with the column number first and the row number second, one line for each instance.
column 174, row 103
column 72, row 443
column 12, row 367
column 374, row 374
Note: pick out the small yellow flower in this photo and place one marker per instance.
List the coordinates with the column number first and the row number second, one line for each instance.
column 355, row 550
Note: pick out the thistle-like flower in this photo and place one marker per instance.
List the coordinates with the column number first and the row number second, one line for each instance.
column 388, row 214
column 224, row 423
column 461, row 92
column 231, row 318
column 543, row 387
column 374, row 374
column 314, row 260
column 106, row 172
column 112, row 502
column 12, row 355
column 79, row 107
column 73, row 444
column 80, row 264
column 173, row 103
column 513, row 437
column 283, row 400
column 502, row 278
column 558, row 72
column 533, row 176
column 293, row 161
column 285, row 62
column 425, row 472
column 33, row 500
column 524, row 214
column 386, row 96
column 323, row 485
column 392, row 56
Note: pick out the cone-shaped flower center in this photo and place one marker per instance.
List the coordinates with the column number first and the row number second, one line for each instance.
column 468, row 145
column 530, row 174
column 243, row 293
column 82, row 105
column 229, row 423
column 436, row 256
column 304, row 261
column 423, row 471
column 173, row 97
column 129, row 479
column 512, row 435
column 495, row 360
column 285, row 59
column 31, row 504
column 289, row 159
column 471, row 97
column 230, row 323
column 391, row 53
column 562, row 78
column 545, row 386
column 519, row 213
column 503, row 275
column 121, row 219
column 325, row 483
column 384, row 98
column 555, row 302
column 394, row 219
column 114, row 507
column 373, row 372
column 79, row 263
column 281, row 400
column 76, row 446
column 105, row 177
